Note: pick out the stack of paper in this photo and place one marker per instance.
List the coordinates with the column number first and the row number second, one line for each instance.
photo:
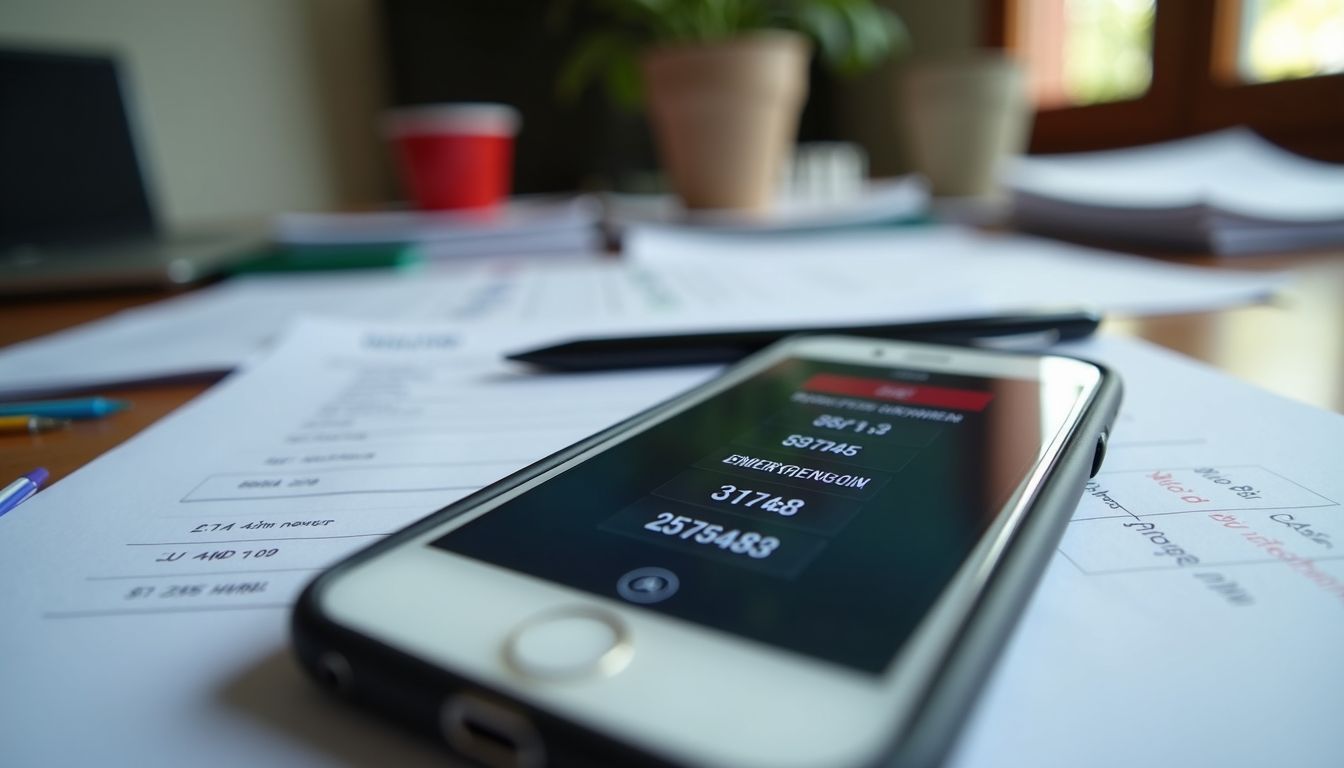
column 1229, row 192
column 521, row 227
column 887, row 201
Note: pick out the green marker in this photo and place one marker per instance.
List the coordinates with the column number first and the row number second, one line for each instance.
column 78, row 408
column 332, row 258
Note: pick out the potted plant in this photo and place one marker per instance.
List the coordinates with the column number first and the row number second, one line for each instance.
column 725, row 80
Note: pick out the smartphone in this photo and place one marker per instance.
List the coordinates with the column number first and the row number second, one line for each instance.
column 811, row 560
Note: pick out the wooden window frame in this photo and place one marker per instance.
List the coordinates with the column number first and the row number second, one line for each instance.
column 1195, row 88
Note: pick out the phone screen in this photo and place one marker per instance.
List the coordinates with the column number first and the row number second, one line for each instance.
column 818, row 507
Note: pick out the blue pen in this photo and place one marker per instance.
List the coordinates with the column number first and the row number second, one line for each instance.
column 18, row 491
column 78, row 408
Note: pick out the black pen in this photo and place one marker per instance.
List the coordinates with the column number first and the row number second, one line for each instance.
column 598, row 354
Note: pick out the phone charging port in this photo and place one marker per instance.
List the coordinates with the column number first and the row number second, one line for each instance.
column 490, row 734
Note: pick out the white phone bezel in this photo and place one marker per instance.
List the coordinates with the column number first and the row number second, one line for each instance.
column 783, row 708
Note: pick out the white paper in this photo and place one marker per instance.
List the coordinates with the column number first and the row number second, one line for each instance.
column 1229, row 192
column 1125, row 656
column 1233, row 170
column 1006, row 272
column 880, row 202
column 519, row 218
column 672, row 281
column 215, row 329
column 146, row 596
column 1170, row 630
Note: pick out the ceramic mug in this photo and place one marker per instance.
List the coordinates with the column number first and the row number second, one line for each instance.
column 454, row 156
column 964, row 118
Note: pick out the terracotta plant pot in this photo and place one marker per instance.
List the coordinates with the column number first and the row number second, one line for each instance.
column 726, row 115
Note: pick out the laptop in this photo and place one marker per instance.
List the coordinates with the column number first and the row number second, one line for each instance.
column 75, row 211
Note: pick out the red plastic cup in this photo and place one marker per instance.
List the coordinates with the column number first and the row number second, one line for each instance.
column 454, row 156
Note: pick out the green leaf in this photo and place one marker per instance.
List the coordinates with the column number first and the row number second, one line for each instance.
column 624, row 82
column 850, row 35
column 827, row 29
column 597, row 55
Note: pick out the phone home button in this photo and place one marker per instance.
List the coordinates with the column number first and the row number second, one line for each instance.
column 569, row 644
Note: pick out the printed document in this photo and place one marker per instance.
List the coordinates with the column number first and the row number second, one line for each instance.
column 147, row 595
column 672, row 281
column 1005, row 271
column 212, row 331
column 1191, row 614
column 1194, row 612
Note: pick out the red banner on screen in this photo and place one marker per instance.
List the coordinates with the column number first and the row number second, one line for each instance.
column 899, row 392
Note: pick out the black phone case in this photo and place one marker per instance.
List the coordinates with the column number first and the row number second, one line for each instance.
column 413, row 692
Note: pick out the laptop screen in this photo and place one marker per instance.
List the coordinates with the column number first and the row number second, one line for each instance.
column 71, row 174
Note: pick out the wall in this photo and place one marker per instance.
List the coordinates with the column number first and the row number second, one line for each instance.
column 245, row 107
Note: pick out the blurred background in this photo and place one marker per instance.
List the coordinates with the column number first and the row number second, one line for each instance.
column 256, row 106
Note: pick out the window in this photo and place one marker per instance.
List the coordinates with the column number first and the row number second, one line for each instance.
column 1275, row 40
column 1079, row 52
column 1109, row 73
